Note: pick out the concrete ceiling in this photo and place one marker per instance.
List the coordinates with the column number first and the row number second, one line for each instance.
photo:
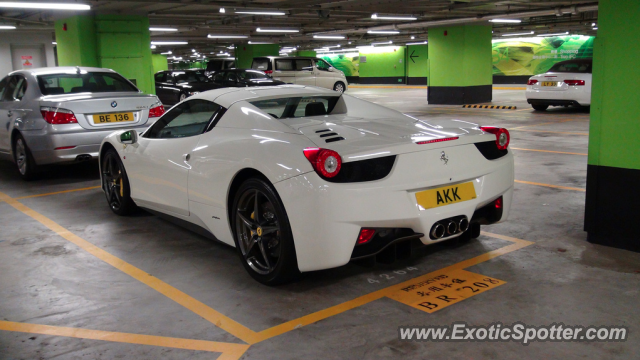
column 195, row 19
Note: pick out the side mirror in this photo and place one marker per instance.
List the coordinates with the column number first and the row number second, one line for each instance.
column 331, row 69
column 129, row 137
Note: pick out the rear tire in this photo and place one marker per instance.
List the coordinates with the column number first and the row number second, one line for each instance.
column 262, row 234
column 540, row 107
column 115, row 184
column 23, row 158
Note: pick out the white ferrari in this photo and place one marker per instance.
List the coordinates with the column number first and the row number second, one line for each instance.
column 301, row 178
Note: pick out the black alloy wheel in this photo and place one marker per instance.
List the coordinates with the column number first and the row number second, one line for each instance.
column 115, row 184
column 262, row 234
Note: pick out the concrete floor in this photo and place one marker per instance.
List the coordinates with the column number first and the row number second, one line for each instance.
column 78, row 282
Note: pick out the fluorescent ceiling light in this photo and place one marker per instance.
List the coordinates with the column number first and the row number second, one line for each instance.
column 378, row 17
column 48, row 6
column 417, row 43
column 275, row 13
column 193, row 55
column 222, row 10
column 169, row 43
column 558, row 34
column 506, row 21
column 382, row 43
column 519, row 34
column 334, row 46
column 337, row 37
column 383, row 32
column 162, row 29
column 412, row 37
column 153, row 46
column 258, row 42
column 277, row 30
column 166, row 53
column 54, row 43
column 321, row 49
column 211, row 36
column 7, row 27
column 224, row 54
column 595, row 28
column 193, row 50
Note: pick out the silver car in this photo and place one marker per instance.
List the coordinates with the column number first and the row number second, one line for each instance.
column 61, row 114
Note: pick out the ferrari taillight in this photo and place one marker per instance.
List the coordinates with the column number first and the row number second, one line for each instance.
column 325, row 162
column 156, row 111
column 575, row 82
column 57, row 116
column 502, row 136
column 532, row 82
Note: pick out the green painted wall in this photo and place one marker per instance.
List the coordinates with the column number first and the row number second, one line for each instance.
column 460, row 58
column 118, row 42
column 417, row 61
column 614, row 133
column 77, row 44
column 246, row 52
column 310, row 53
column 387, row 61
column 159, row 62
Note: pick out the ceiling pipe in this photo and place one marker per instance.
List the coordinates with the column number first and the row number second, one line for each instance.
column 421, row 24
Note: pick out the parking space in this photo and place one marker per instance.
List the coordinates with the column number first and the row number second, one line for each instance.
column 80, row 282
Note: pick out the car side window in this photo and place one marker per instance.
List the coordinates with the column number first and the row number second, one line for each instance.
column 161, row 77
column 219, row 77
column 231, row 77
column 284, row 65
column 190, row 118
column 304, row 65
column 15, row 88
column 21, row 88
column 322, row 65
column 3, row 87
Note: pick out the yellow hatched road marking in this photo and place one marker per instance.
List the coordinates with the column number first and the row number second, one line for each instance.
column 234, row 328
column 551, row 186
column 229, row 350
column 58, row 192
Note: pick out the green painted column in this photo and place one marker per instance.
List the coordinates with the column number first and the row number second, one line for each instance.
column 613, row 173
column 417, row 64
column 159, row 62
column 382, row 65
column 246, row 52
column 118, row 42
column 460, row 65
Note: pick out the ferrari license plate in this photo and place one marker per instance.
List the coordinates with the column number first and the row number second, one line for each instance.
column 112, row 118
column 433, row 198
column 549, row 83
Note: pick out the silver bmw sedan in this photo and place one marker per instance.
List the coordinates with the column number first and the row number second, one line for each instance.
column 61, row 114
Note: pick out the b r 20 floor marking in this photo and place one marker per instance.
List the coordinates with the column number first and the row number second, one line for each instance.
column 438, row 291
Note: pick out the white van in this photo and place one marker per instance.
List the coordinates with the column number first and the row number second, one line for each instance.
column 302, row 70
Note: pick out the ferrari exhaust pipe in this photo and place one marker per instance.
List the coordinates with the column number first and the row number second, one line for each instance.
column 437, row 231
column 463, row 225
column 452, row 227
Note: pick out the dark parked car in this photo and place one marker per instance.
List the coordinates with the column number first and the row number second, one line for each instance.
column 173, row 86
column 215, row 65
column 243, row 78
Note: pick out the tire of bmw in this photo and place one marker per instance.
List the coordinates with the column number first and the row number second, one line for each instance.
column 262, row 233
column 115, row 184
column 23, row 158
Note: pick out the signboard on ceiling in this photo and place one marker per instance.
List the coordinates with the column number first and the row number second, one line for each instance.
column 533, row 56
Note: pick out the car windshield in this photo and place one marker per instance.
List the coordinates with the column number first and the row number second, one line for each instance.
column 295, row 107
column 260, row 64
column 190, row 76
column 249, row 75
column 89, row 82
column 572, row 67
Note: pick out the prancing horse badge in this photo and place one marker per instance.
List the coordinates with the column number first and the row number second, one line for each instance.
column 444, row 158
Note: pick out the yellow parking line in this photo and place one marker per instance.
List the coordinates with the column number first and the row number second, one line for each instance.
column 234, row 328
column 549, row 151
column 365, row 299
column 553, row 132
column 229, row 350
column 542, row 124
column 550, row 186
column 57, row 192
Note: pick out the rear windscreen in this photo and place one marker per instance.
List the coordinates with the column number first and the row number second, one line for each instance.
column 90, row 82
column 261, row 64
column 572, row 67
column 294, row 107
column 214, row 66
